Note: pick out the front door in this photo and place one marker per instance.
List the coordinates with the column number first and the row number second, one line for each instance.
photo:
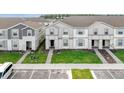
column 51, row 43
column 28, row 45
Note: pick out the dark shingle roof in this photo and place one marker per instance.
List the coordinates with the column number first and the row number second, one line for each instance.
column 85, row 21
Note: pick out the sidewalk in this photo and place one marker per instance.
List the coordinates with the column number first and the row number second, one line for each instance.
column 23, row 57
column 49, row 57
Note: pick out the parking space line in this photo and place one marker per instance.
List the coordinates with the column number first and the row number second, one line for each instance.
column 31, row 74
column 49, row 74
column 93, row 74
column 14, row 74
column 111, row 74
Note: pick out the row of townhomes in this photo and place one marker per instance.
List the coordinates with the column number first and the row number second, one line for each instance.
column 74, row 32
column 86, row 32
column 21, row 34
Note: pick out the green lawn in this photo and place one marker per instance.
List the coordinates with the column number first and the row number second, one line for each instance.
column 81, row 74
column 9, row 57
column 36, row 57
column 120, row 54
column 75, row 56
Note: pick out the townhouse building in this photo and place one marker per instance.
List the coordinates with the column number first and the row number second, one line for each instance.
column 19, row 34
column 86, row 32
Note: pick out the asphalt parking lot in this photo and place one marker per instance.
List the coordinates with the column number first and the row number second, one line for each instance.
column 39, row 74
column 109, row 74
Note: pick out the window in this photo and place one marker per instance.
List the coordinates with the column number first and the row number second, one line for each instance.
column 65, row 33
column 1, row 34
column 80, row 42
column 95, row 33
column 106, row 32
column 65, row 42
column 14, row 45
column 15, row 32
column 51, row 33
column 29, row 32
column 120, row 32
column 80, row 32
column 120, row 42
column 1, row 45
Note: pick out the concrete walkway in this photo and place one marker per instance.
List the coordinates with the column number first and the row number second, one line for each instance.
column 68, row 66
column 100, row 56
column 114, row 57
column 23, row 57
column 49, row 57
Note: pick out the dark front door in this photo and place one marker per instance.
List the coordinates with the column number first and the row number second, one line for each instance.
column 92, row 43
column 28, row 45
column 103, row 43
column 51, row 43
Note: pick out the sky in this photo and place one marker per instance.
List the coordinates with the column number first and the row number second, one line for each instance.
column 20, row 15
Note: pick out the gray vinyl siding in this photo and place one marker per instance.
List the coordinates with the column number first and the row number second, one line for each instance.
column 25, row 31
column 19, row 27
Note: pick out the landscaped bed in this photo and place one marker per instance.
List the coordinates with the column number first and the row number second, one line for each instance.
column 81, row 74
column 36, row 57
column 119, row 54
column 9, row 57
column 75, row 56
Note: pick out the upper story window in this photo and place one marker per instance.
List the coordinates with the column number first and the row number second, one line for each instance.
column 80, row 32
column 51, row 31
column 29, row 32
column 65, row 42
column 65, row 33
column 120, row 32
column 106, row 31
column 95, row 31
column 1, row 33
column 15, row 32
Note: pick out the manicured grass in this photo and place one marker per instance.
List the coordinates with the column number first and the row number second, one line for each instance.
column 120, row 54
column 81, row 74
column 9, row 57
column 75, row 56
column 36, row 58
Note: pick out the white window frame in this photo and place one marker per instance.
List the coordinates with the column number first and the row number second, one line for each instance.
column 29, row 32
column 65, row 30
column 51, row 31
column 15, row 31
column 65, row 41
column 80, row 30
column 120, row 42
column 80, row 41
column 106, row 30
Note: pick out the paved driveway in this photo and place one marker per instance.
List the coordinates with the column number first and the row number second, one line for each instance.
column 109, row 74
column 39, row 74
